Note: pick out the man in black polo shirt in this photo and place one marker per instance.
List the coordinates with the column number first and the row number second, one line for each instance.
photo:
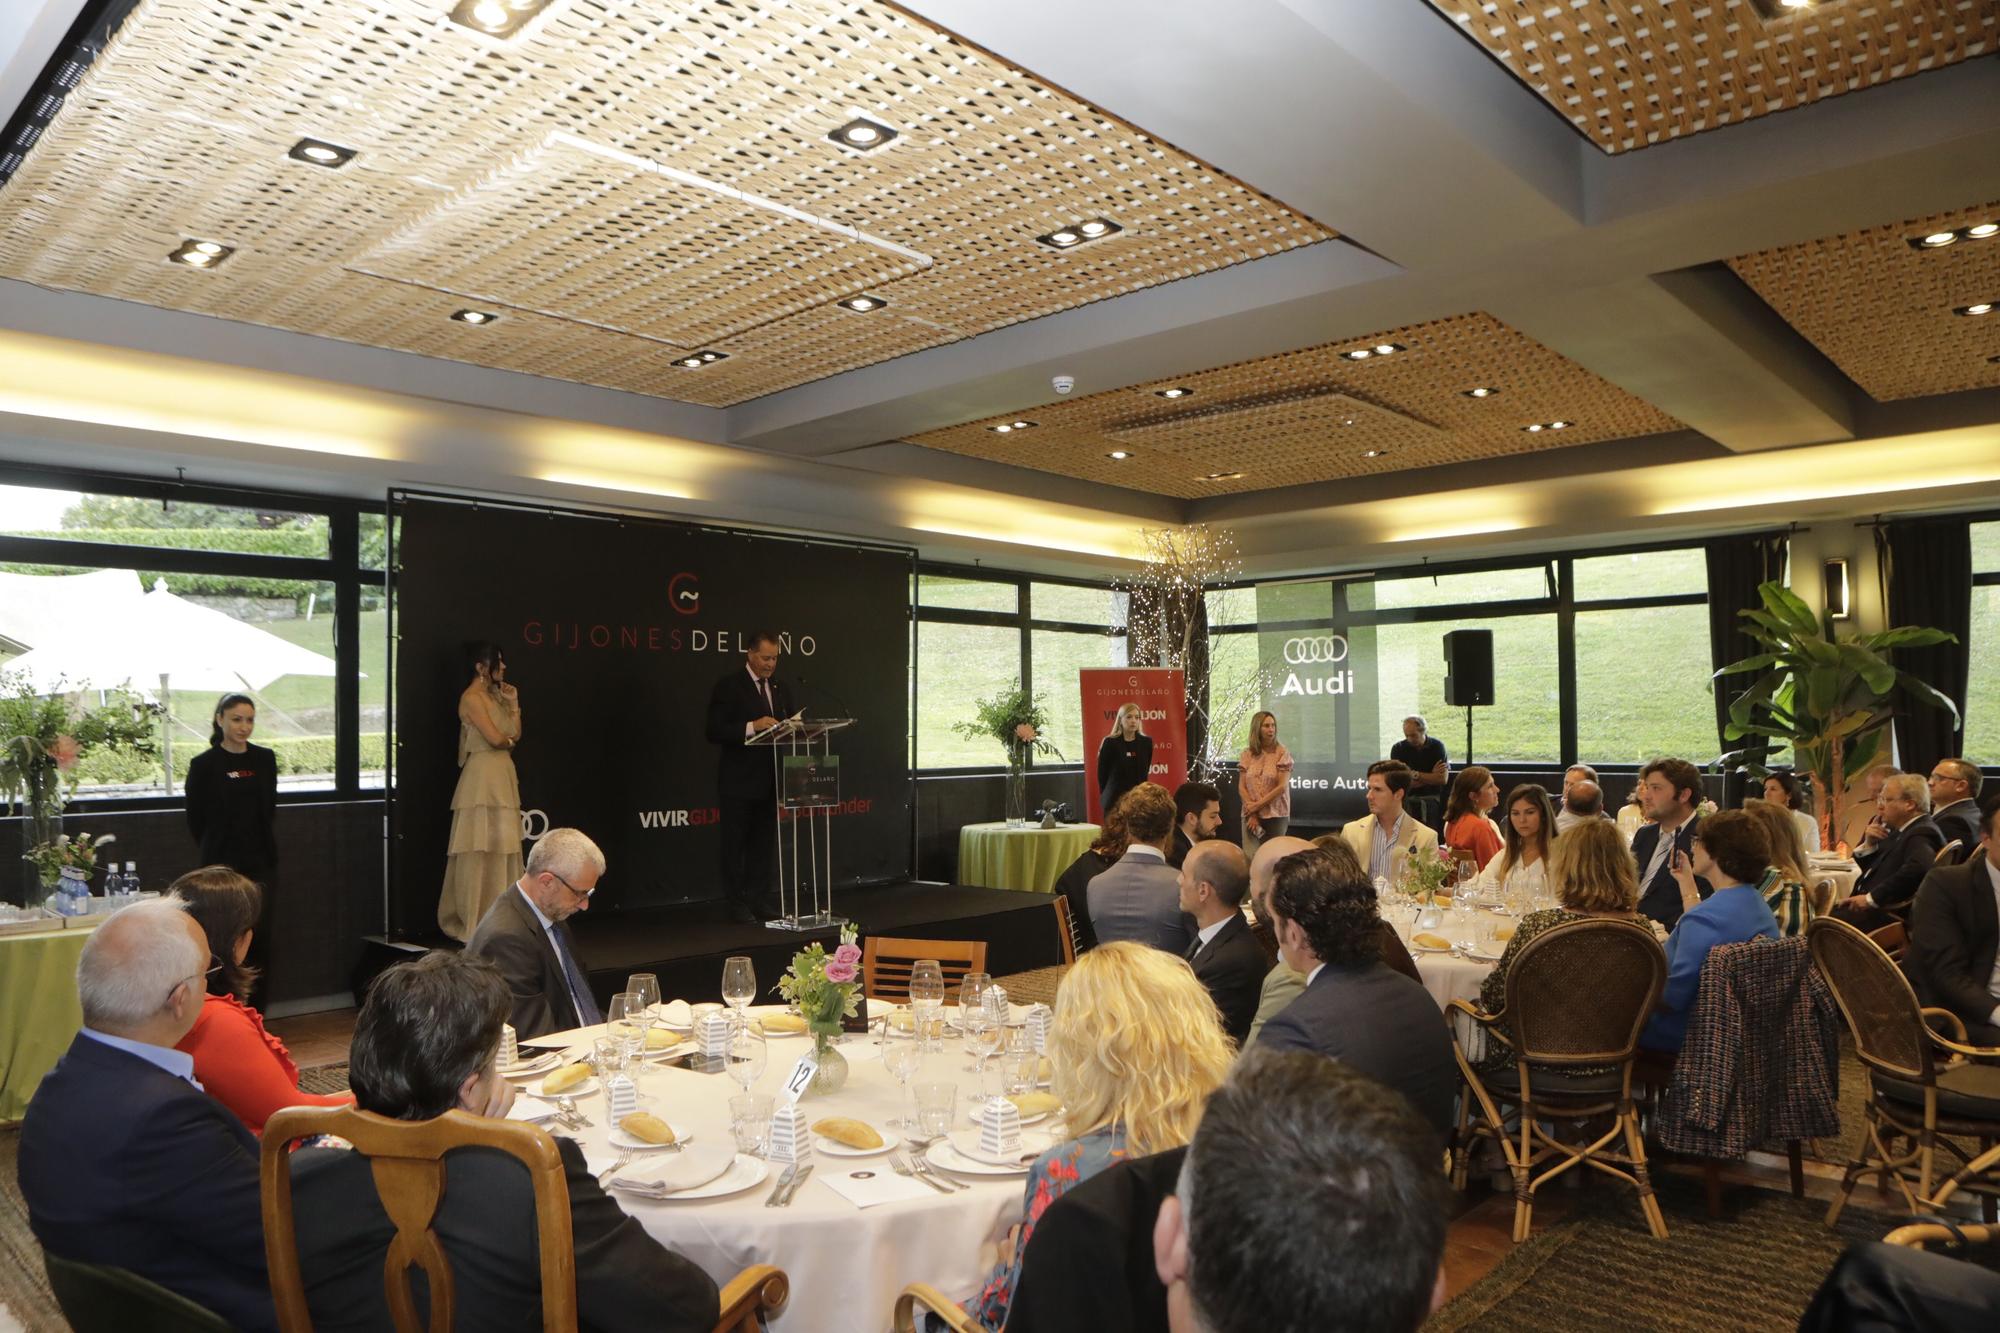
column 1430, row 770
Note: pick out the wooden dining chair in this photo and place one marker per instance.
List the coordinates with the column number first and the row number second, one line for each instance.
column 886, row 963
column 1947, row 855
column 1820, row 895
column 1065, row 929
column 1892, row 939
column 947, row 1311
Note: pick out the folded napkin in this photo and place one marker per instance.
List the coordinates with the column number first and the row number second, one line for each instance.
column 882, row 1184
column 675, row 1013
column 668, row 1172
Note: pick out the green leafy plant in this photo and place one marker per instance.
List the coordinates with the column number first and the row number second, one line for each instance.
column 78, row 853
column 42, row 738
column 1014, row 717
column 1829, row 699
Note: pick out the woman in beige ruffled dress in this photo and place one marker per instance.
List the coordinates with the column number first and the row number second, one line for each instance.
column 485, row 853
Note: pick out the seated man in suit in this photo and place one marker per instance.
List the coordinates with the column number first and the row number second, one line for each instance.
column 1355, row 1008
column 1225, row 955
column 1955, row 935
column 1139, row 898
column 1896, row 852
column 1385, row 838
column 1668, row 791
column 124, row 1159
column 526, row 935
column 1954, row 788
column 1281, row 983
column 1298, row 1159
column 1197, row 816
column 425, row 1043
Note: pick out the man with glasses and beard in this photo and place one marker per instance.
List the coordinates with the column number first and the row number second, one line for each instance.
column 526, row 935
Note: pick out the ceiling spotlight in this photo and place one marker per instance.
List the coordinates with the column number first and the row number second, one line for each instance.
column 1938, row 238
column 319, row 153
column 863, row 135
column 474, row 317
column 1219, row 476
column 1976, row 308
column 1009, row 427
column 863, row 304
column 1176, row 392
column 200, row 254
column 1120, row 454
column 1483, row 391
column 1559, row 425
column 1373, row 453
column 497, row 18
column 1379, row 349
column 1540, row 426
column 1068, row 238
column 1981, row 230
column 696, row 360
column 1385, row 349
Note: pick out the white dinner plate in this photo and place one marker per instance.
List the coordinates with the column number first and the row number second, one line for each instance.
column 1478, row 957
column 826, row 1145
column 745, row 1173
column 972, row 1118
column 955, row 1154
column 529, row 1068
column 1427, row 948
column 620, row 1139
column 583, row 1089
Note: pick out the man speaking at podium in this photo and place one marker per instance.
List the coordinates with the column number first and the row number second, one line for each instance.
column 742, row 704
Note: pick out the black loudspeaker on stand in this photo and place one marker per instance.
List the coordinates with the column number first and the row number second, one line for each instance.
column 1468, row 674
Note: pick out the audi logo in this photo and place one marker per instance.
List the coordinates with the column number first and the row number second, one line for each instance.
column 1323, row 648
column 529, row 831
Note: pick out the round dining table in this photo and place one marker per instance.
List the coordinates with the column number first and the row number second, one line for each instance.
column 846, row 1263
column 1020, row 856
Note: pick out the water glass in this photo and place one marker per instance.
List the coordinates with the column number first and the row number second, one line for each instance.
column 646, row 986
column 750, row 1121
column 609, row 1056
column 739, row 982
column 927, row 1002
column 748, row 1052
column 902, row 1056
column 937, row 1103
column 1021, row 1066
column 627, row 1020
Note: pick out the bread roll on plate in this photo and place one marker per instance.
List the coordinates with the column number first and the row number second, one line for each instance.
column 853, row 1133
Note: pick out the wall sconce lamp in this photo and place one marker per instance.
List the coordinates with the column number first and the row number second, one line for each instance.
column 1837, row 605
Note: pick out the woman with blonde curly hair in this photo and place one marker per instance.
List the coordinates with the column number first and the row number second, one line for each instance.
column 1135, row 1050
column 1784, row 886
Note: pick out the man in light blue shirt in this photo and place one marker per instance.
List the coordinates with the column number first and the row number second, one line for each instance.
column 1384, row 839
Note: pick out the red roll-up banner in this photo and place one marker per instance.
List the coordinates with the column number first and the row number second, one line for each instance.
column 1162, row 698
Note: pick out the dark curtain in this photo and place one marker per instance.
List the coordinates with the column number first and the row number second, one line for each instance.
column 1927, row 581
column 1736, row 566
column 1168, row 626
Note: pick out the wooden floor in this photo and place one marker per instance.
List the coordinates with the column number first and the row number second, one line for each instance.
column 315, row 1039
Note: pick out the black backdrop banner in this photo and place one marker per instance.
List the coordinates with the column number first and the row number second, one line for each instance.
column 615, row 630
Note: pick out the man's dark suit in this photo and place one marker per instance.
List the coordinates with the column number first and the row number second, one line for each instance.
column 1381, row 1023
column 512, row 939
column 1954, row 934
column 1139, row 899
column 1959, row 822
column 1660, row 897
column 1089, row 1265
column 624, row 1278
column 1892, row 872
column 122, row 1163
column 1183, row 844
column 1232, row 965
column 745, row 791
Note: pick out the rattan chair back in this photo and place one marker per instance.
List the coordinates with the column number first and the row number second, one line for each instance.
column 1881, row 1010
column 1579, row 994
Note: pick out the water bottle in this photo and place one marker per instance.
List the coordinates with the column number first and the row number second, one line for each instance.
column 130, row 883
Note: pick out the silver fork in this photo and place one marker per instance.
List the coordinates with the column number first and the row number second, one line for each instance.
column 921, row 1165
column 901, row 1166
column 625, row 1156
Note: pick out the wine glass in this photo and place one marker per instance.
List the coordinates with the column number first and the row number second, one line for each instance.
column 902, row 1055
column 984, row 1032
column 927, row 1001
column 646, row 986
column 748, row 1052
column 739, row 983
column 971, row 990
column 626, row 1020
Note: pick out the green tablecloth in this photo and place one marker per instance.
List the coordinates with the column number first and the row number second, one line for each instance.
column 1027, row 858
column 39, row 1012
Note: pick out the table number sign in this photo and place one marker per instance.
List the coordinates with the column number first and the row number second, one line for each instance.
column 800, row 1078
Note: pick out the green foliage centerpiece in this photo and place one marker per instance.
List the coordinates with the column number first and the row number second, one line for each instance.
column 1016, row 718
column 42, row 738
column 827, row 989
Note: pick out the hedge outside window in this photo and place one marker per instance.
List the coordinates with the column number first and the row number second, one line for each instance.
column 1982, row 696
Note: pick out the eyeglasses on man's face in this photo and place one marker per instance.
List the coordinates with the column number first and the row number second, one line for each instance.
column 200, row 978
column 581, row 893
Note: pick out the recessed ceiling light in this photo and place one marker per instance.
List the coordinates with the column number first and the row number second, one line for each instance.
column 1976, row 308
column 863, row 304
column 497, row 18
column 319, row 153
column 1384, row 349
column 1541, row 426
column 863, row 135
column 1979, row 231
column 1936, row 239
column 1219, row 476
column 1483, row 391
column 1120, row 454
column 1366, row 353
column 200, row 254
column 474, row 316
column 1176, row 392
column 1009, row 427
column 696, row 360
column 1373, row 453
column 1080, row 233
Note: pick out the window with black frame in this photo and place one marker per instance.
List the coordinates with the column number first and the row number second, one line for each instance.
column 1982, row 696
column 157, row 600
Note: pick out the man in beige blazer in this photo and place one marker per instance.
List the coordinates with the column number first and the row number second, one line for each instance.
column 1384, row 838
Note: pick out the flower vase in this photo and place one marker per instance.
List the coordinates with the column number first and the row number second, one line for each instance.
column 831, row 1075
column 1017, row 786
column 42, row 824
column 72, row 890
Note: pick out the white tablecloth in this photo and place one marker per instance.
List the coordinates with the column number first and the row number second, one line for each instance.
column 846, row 1264
column 1451, row 977
column 1844, row 874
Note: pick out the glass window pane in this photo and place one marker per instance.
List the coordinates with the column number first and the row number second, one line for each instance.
column 1641, row 574
column 1232, row 606
column 1982, row 702
column 1524, row 723
column 1235, row 693
column 968, row 594
column 1498, row 585
column 1632, row 708
column 375, row 538
column 1082, row 606
column 32, row 511
column 1985, row 548
column 1281, row 602
column 1057, row 657
column 375, row 649
column 295, row 711
column 957, row 665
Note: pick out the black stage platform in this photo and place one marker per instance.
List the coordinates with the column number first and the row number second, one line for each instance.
column 684, row 946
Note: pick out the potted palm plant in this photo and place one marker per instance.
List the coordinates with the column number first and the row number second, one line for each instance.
column 1828, row 699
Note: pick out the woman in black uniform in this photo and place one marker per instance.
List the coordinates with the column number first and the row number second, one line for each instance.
column 232, row 799
column 1124, row 758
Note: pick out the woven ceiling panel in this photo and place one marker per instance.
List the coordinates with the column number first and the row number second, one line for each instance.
column 625, row 180
column 1882, row 311
column 1628, row 73
column 1313, row 415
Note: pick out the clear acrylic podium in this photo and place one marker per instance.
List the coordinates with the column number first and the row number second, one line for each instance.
column 805, row 773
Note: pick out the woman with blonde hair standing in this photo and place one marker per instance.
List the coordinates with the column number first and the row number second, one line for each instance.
column 483, row 858
column 1124, row 757
column 1135, row 1050
column 1264, row 781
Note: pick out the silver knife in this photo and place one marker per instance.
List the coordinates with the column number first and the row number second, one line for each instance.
column 797, row 1181
column 779, row 1188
